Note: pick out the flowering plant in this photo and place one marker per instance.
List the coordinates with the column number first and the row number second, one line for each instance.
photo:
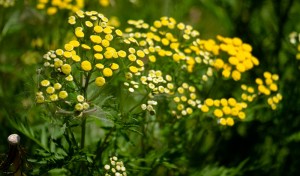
column 140, row 77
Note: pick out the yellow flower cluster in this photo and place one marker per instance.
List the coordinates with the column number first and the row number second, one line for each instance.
column 295, row 40
column 94, row 56
column 226, row 110
column 249, row 93
column 7, row 3
column 53, row 92
column 156, row 84
column 115, row 167
column 266, row 86
column 165, row 38
column 238, row 60
column 98, row 41
column 81, row 103
column 53, row 6
column 186, row 100
column 175, row 44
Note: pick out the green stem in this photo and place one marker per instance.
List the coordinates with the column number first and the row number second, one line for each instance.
column 83, row 125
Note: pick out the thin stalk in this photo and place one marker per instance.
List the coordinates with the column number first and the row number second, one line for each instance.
column 83, row 127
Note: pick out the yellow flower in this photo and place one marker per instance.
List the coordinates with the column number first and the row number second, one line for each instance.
column 107, row 30
column 66, row 69
column 62, row 94
column 189, row 110
column 99, row 66
column 119, row 32
column 58, row 63
column 98, row 29
column 122, row 54
column 80, row 98
column 57, row 86
column 267, row 75
column 217, row 103
column 133, row 69
column 89, row 24
column 165, row 41
column 236, row 75
column 53, row 97
column 98, row 48
column 233, row 60
column 76, row 58
column 140, row 62
column 69, row 78
column 40, row 98
column 50, row 90
column 224, row 102
column 240, row 67
column 230, row 121
column 67, row 54
column 140, row 53
column 218, row 113
column 226, row 110
column 79, row 107
column 69, row 47
column 104, row 3
column 96, row 39
column 98, row 56
column 132, row 57
column 75, row 43
column 222, row 121
column 100, row 81
column 152, row 58
column 51, row 10
column 258, row 81
column 109, row 37
column 45, row 83
column 237, row 41
column 273, row 87
column 204, row 108
column 85, row 46
column 107, row 72
column 114, row 66
column 247, row 47
column 79, row 34
column 86, row 65
column 241, row 115
column 226, row 73
column 59, row 52
column 219, row 63
column 209, row 102
column 108, row 54
column 105, row 43
column 180, row 26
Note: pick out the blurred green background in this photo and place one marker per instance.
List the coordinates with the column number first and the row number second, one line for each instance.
column 266, row 145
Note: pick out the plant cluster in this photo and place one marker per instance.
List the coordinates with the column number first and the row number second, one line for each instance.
column 155, row 71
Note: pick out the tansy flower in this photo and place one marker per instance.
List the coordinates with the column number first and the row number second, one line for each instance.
column 86, row 65
column 100, row 81
column 107, row 72
column 53, row 97
column 133, row 69
column 50, row 90
column 79, row 107
column 66, row 69
column 80, row 98
column 57, row 86
column 45, row 83
column 63, row 94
